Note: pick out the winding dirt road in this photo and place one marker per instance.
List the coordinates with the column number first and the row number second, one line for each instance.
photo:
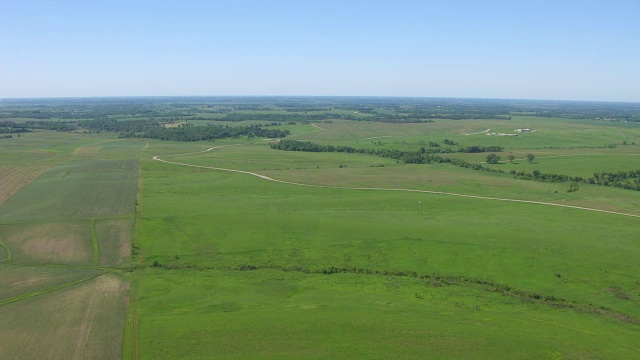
column 264, row 177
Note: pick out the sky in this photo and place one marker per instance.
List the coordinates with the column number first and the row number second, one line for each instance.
column 561, row 50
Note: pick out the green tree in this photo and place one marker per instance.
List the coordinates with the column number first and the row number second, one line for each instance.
column 493, row 158
column 511, row 157
column 530, row 158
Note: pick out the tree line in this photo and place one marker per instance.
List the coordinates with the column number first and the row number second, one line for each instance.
column 622, row 179
column 149, row 128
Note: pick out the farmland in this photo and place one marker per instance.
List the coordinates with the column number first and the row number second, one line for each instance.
column 149, row 249
column 64, row 224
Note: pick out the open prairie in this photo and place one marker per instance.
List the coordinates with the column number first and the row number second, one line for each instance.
column 355, row 255
column 364, row 239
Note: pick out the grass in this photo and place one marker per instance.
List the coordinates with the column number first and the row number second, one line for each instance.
column 204, row 232
column 276, row 315
column 318, row 228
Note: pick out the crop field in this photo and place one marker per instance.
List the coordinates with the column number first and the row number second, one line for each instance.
column 81, row 321
column 68, row 205
column 402, row 244
column 13, row 178
column 22, row 282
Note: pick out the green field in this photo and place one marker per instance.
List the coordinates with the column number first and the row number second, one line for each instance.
column 244, row 251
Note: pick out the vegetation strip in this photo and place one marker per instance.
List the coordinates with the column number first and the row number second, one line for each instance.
column 94, row 243
column 430, row 280
column 48, row 290
column 264, row 177
column 7, row 249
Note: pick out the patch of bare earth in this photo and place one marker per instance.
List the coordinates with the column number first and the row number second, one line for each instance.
column 83, row 321
column 91, row 149
column 66, row 243
column 173, row 124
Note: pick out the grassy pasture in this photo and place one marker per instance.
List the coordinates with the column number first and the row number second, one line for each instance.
column 284, row 315
column 550, row 133
column 82, row 321
column 193, row 218
column 364, row 171
column 317, row 228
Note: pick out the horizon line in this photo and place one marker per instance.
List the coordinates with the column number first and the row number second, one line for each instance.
column 307, row 96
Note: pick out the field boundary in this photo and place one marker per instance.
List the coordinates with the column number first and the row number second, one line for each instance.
column 264, row 177
column 3, row 245
column 94, row 242
column 48, row 290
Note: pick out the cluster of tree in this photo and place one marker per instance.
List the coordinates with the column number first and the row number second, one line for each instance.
column 295, row 145
column 493, row 159
column 436, row 150
column 539, row 176
column 425, row 116
column 480, row 149
column 397, row 120
column 149, row 128
column 187, row 132
column 113, row 125
column 622, row 179
column 9, row 127
column 350, row 108
column 450, row 142
column 299, row 108
column 235, row 116
column 407, row 157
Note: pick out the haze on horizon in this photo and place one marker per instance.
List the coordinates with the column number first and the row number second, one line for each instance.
column 569, row 50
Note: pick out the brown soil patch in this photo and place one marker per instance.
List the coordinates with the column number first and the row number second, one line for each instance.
column 173, row 125
column 84, row 321
column 87, row 149
column 51, row 243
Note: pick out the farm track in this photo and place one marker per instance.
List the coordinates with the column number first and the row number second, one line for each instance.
column 135, row 335
column 48, row 290
column 9, row 256
column 264, row 177
column 116, row 217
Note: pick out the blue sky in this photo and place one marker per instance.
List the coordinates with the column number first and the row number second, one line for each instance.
column 573, row 50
